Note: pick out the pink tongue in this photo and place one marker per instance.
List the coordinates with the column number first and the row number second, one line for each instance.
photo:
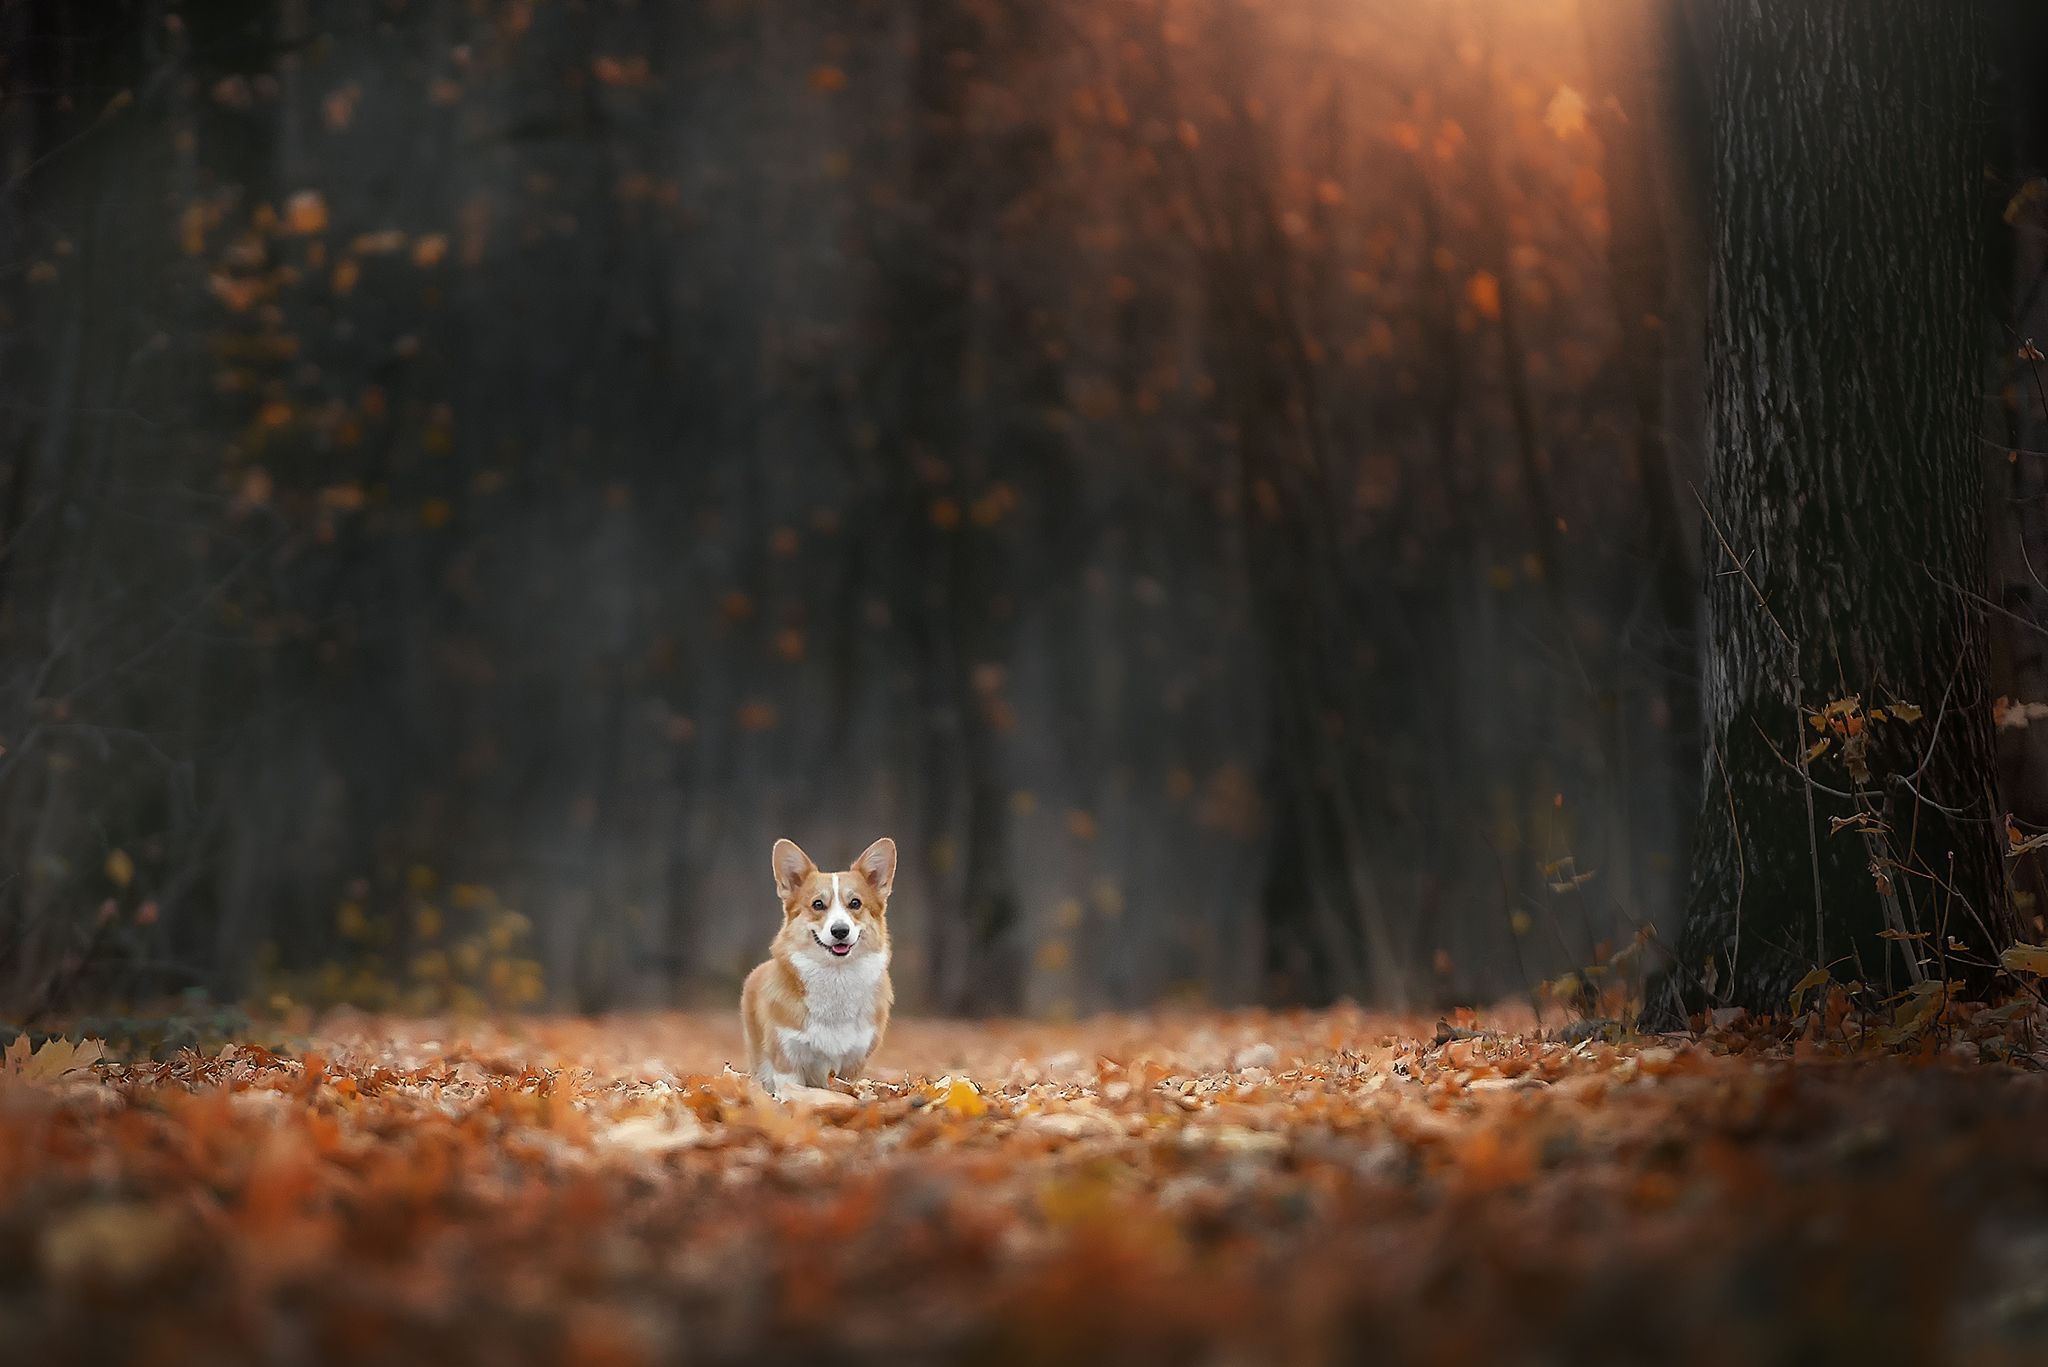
column 842, row 949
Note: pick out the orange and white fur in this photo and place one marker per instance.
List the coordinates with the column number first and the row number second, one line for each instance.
column 817, row 1009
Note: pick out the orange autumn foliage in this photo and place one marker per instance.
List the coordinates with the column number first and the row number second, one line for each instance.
column 1131, row 1189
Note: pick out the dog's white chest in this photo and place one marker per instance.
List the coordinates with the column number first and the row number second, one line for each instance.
column 838, row 1032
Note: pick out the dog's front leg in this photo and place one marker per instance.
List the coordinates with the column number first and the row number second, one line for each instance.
column 776, row 1071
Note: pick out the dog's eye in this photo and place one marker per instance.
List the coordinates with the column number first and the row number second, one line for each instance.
column 853, row 905
column 817, row 904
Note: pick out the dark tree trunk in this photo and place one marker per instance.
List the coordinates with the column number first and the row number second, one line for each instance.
column 2019, row 660
column 1846, row 543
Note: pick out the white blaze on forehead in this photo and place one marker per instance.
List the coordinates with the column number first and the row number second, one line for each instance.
column 839, row 915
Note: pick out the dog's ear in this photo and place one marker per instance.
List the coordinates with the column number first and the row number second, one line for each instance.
column 792, row 866
column 877, row 864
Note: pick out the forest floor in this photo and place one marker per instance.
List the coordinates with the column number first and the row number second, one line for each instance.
column 1233, row 1188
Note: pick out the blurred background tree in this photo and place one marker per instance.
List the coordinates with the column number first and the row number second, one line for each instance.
column 1210, row 477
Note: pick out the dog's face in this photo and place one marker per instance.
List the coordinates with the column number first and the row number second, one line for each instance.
column 835, row 916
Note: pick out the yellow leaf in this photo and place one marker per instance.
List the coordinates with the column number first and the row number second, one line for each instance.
column 958, row 1096
column 2025, row 958
column 1906, row 712
column 1923, row 1005
column 1520, row 922
column 120, row 868
column 1817, row 978
column 1818, row 748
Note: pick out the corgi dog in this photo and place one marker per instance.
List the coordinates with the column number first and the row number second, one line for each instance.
column 817, row 1009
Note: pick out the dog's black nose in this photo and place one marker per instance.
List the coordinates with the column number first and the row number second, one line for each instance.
column 841, row 932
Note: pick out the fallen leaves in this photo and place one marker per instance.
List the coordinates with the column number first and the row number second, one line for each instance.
column 1251, row 1187
column 50, row 1060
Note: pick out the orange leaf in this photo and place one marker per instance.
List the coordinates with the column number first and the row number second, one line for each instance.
column 305, row 213
column 1483, row 289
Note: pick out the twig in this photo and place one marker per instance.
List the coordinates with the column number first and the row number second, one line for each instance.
column 1741, row 860
column 1934, row 732
column 1806, row 774
column 1740, row 567
column 1807, row 785
column 1981, row 601
column 1820, row 943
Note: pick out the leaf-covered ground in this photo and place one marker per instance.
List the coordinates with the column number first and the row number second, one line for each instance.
column 1303, row 1188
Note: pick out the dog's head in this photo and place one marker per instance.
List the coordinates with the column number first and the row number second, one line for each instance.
column 835, row 916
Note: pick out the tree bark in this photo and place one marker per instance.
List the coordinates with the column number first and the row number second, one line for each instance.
column 1845, row 540
column 2019, row 651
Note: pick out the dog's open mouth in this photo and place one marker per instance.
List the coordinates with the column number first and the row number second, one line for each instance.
column 838, row 951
